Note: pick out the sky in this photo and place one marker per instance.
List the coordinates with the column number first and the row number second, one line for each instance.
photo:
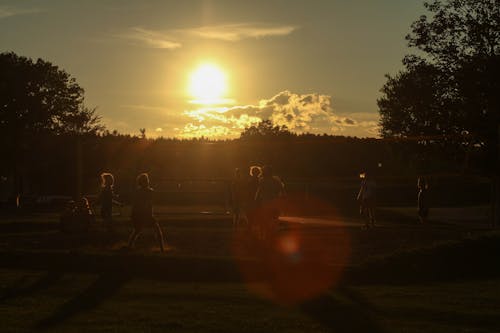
column 313, row 65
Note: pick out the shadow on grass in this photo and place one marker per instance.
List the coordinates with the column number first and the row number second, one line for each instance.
column 460, row 320
column 158, row 267
column 104, row 287
column 348, row 315
column 459, row 260
column 30, row 227
column 459, row 315
column 43, row 282
column 468, row 259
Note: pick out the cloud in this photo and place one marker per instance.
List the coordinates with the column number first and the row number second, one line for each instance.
column 150, row 38
column 364, row 124
column 345, row 121
column 301, row 113
column 371, row 127
column 8, row 11
column 195, row 131
column 218, row 123
column 170, row 39
column 239, row 31
column 143, row 107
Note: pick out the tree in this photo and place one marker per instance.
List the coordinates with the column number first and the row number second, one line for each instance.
column 265, row 129
column 38, row 100
column 452, row 85
column 38, row 97
column 406, row 114
column 458, row 31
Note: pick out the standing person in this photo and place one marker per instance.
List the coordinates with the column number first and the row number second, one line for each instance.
column 269, row 190
column 238, row 197
column 367, row 199
column 252, row 186
column 142, row 212
column 253, row 182
column 422, row 200
column 106, row 199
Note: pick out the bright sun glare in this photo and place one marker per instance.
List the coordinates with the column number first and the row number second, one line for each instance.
column 208, row 84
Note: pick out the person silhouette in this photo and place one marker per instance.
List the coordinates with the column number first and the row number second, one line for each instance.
column 107, row 199
column 270, row 189
column 252, row 187
column 422, row 200
column 367, row 199
column 142, row 212
column 238, row 197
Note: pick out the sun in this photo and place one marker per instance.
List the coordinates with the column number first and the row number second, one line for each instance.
column 208, row 84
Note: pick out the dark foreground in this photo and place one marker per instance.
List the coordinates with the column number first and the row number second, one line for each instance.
column 399, row 277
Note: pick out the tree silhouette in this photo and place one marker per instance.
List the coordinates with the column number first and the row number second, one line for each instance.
column 450, row 90
column 38, row 96
column 458, row 31
column 265, row 129
column 403, row 112
column 38, row 100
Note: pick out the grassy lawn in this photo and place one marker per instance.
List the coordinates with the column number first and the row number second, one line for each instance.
column 395, row 278
column 98, row 303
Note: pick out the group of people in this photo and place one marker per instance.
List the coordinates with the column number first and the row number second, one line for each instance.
column 254, row 202
column 79, row 215
column 367, row 199
column 142, row 207
column 255, row 199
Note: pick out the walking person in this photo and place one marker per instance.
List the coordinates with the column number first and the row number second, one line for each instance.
column 107, row 199
column 367, row 199
column 142, row 212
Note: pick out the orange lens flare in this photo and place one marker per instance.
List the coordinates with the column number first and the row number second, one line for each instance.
column 296, row 262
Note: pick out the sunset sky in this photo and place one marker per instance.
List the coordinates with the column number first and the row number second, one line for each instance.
column 315, row 66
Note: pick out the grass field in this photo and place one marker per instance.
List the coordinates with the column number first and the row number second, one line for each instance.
column 99, row 303
column 398, row 277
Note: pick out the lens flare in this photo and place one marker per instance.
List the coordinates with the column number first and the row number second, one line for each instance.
column 297, row 262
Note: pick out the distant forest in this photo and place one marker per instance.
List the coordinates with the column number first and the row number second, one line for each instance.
column 71, row 163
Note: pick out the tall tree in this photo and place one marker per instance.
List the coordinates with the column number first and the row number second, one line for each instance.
column 452, row 82
column 38, row 100
column 458, row 30
column 38, row 97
